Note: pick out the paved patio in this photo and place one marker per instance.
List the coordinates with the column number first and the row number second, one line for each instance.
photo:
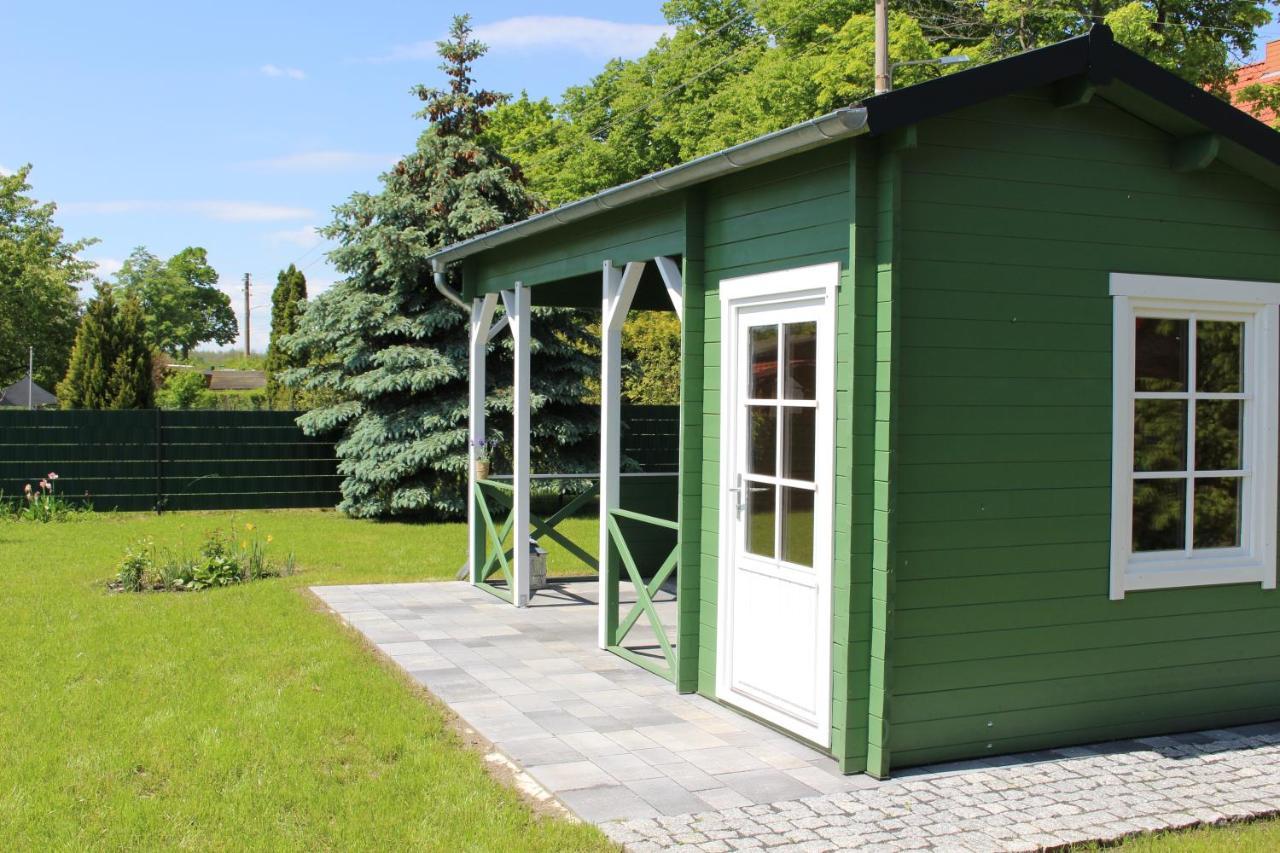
column 657, row 770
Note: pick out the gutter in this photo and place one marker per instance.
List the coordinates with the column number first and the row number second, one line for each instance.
column 840, row 124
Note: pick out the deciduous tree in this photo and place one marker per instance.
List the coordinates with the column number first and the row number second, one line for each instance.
column 180, row 299
column 39, row 272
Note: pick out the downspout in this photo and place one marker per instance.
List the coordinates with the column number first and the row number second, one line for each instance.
column 439, row 277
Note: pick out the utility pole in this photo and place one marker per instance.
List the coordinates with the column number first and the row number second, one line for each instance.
column 31, row 377
column 246, row 315
column 882, row 47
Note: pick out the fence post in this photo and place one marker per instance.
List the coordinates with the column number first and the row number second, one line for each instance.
column 159, row 462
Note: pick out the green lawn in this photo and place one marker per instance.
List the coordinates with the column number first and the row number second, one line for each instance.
column 230, row 719
column 248, row 718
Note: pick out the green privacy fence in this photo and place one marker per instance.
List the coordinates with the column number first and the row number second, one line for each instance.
column 201, row 459
column 159, row 459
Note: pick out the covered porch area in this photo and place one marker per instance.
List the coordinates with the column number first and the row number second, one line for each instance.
column 634, row 494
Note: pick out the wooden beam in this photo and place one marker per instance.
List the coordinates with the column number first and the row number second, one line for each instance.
column 610, row 442
column 1193, row 153
column 481, row 318
column 1073, row 92
column 520, row 317
column 675, row 286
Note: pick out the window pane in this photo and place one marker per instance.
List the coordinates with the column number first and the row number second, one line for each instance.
column 1219, row 431
column 1159, row 435
column 1159, row 520
column 760, row 512
column 764, row 362
column 763, row 450
column 801, row 361
column 798, row 440
column 1219, row 356
column 1161, row 354
column 1217, row 521
column 797, row 526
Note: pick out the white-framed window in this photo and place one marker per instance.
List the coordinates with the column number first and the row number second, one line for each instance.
column 1194, row 443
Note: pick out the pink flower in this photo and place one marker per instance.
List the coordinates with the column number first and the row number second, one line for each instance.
column 52, row 476
column 44, row 484
column 27, row 488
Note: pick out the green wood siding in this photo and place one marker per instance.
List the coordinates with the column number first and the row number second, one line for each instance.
column 792, row 213
column 1013, row 215
column 640, row 232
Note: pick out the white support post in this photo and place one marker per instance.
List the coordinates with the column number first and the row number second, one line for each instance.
column 619, row 289
column 519, row 317
column 481, row 318
column 675, row 284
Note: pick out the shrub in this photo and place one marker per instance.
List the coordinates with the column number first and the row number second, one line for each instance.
column 184, row 389
column 220, row 562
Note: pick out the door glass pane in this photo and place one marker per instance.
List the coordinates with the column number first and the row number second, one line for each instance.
column 760, row 512
column 763, row 450
column 1159, row 435
column 797, row 526
column 764, row 362
column 798, row 439
column 1217, row 508
column 801, row 361
column 1218, row 433
column 1159, row 519
column 1161, row 354
column 1219, row 356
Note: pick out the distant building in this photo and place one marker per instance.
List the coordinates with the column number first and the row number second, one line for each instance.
column 236, row 380
column 1266, row 71
column 16, row 395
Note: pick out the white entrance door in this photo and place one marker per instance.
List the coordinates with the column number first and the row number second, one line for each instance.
column 778, row 388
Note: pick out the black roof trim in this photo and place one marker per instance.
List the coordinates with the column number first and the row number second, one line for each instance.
column 1095, row 55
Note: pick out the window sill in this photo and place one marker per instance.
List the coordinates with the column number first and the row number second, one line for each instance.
column 1175, row 574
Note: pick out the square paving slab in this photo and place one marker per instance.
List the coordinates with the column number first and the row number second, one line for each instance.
column 657, row 770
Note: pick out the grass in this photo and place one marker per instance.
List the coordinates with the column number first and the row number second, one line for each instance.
column 243, row 718
column 1260, row 837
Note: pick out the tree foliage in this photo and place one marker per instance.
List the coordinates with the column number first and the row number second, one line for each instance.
column 180, row 299
column 389, row 354
column 736, row 69
column 287, row 302
column 39, row 271
column 110, row 365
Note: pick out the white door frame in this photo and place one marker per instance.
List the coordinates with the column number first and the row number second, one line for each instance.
column 815, row 287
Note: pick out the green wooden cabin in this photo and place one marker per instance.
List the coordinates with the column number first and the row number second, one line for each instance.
column 978, row 438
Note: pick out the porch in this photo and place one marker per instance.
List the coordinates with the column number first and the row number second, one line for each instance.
column 610, row 740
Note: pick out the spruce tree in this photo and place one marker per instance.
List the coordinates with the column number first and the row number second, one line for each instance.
column 391, row 352
column 286, row 306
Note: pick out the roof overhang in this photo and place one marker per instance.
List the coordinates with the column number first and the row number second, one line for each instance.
column 840, row 124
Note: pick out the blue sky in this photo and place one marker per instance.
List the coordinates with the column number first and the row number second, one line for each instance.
column 238, row 125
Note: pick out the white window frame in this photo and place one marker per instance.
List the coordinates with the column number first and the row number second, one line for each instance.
column 1254, row 303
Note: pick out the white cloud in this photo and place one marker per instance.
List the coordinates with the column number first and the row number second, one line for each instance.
column 595, row 38
column 282, row 71
column 5, row 171
column 226, row 211
column 304, row 237
column 106, row 267
column 324, row 161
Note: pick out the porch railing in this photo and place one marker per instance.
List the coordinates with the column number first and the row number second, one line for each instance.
column 618, row 631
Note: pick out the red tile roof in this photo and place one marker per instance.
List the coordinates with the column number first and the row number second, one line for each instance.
column 1266, row 71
